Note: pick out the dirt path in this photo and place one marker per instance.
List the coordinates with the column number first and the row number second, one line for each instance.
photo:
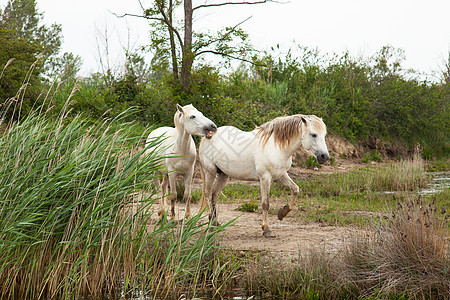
column 291, row 235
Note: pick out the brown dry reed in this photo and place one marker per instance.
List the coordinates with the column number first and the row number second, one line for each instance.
column 406, row 256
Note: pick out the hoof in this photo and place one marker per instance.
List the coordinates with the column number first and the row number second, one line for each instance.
column 268, row 234
column 283, row 212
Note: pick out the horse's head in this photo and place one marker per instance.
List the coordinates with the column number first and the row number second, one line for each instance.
column 194, row 122
column 313, row 137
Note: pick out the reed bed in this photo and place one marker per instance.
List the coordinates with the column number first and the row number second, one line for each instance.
column 405, row 256
column 75, row 203
column 404, row 176
column 408, row 255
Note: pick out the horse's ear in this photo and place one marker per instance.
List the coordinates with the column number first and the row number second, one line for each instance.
column 304, row 120
column 180, row 108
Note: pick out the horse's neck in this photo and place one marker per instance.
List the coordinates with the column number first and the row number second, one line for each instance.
column 294, row 145
column 183, row 141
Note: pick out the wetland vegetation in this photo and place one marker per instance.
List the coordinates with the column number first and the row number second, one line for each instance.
column 75, row 184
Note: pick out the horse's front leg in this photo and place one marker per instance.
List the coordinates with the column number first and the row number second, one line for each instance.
column 286, row 181
column 265, row 182
column 173, row 193
column 162, row 186
column 187, row 190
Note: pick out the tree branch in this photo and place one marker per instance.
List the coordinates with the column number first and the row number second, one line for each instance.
column 227, row 55
column 235, row 3
column 137, row 16
column 164, row 20
column 169, row 24
column 223, row 37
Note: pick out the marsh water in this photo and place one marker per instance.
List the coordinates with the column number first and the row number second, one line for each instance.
column 439, row 182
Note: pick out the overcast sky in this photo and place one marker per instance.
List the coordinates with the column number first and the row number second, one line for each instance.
column 420, row 27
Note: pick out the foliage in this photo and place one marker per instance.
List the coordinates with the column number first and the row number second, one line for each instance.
column 29, row 55
column 75, row 216
column 371, row 156
column 312, row 163
column 18, row 58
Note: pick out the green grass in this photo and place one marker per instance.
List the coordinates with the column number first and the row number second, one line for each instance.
column 75, row 220
column 439, row 165
column 251, row 206
column 357, row 197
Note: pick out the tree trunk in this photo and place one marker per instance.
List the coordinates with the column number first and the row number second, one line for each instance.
column 172, row 43
column 188, row 56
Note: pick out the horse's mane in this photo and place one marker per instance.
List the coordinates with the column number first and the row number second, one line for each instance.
column 284, row 129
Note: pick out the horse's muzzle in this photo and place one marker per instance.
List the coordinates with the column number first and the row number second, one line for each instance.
column 210, row 130
column 322, row 158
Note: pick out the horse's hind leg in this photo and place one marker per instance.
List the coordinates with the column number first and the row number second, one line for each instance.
column 265, row 192
column 173, row 194
column 161, row 185
column 221, row 181
column 285, row 180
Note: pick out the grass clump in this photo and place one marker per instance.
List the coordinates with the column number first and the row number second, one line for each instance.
column 251, row 206
column 406, row 257
column 372, row 156
column 408, row 175
column 312, row 163
column 311, row 277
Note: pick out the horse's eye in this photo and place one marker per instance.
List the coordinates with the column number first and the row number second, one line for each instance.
column 192, row 117
column 313, row 135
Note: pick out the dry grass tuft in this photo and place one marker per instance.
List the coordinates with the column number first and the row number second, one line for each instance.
column 408, row 254
column 406, row 257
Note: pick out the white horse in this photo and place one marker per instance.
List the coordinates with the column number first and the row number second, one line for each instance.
column 264, row 155
column 179, row 150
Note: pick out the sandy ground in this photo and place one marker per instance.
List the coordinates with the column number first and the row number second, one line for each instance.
column 292, row 235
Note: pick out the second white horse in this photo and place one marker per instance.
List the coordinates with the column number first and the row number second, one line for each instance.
column 178, row 148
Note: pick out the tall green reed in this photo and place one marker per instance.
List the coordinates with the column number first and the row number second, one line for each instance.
column 75, row 214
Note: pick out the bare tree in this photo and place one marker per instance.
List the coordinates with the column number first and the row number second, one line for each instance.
column 191, row 45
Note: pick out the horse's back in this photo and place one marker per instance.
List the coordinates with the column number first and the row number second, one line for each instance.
column 167, row 134
column 232, row 151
